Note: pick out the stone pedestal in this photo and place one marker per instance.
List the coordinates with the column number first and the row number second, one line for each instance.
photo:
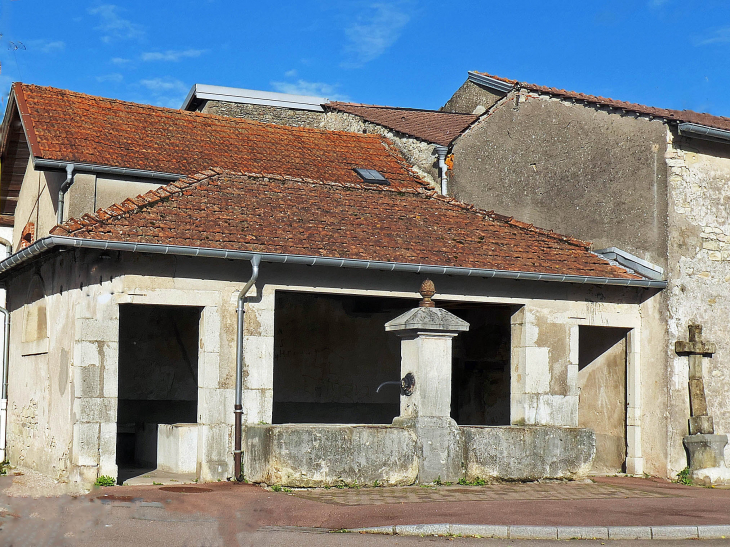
column 426, row 335
column 705, row 450
column 707, row 459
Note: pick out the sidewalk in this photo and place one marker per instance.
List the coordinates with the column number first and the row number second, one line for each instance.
column 550, row 510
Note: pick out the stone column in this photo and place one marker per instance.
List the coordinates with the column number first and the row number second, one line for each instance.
column 706, row 450
column 426, row 334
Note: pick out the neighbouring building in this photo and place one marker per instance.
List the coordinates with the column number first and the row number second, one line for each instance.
column 125, row 331
column 652, row 181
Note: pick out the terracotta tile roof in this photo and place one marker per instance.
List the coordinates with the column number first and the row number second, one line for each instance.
column 428, row 125
column 718, row 122
column 68, row 126
column 284, row 215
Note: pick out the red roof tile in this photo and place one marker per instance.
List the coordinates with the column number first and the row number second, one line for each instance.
column 689, row 116
column 68, row 126
column 283, row 215
column 428, row 125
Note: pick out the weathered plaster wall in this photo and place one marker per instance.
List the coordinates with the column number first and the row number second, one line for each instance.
column 418, row 153
column 699, row 277
column 471, row 98
column 594, row 174
column 264, row 113
column 40, row 379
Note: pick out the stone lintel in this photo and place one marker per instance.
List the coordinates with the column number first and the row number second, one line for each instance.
column 427, row 320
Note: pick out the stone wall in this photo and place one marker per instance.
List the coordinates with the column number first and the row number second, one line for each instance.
column 699, row 274
column 471, row 98
column 416, row 152
column 264, row 113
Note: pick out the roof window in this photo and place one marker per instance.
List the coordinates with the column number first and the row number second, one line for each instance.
column 371, row 175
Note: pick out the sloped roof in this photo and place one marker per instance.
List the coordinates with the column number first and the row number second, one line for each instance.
column 285, row 215
column 74, row 127
column 689, row 116
column 428, row 125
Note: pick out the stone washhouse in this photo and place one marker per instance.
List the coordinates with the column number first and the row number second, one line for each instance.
column 275, row 280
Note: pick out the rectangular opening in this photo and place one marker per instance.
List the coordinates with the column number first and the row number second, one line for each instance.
column 602, row 397
column 158, row 379
column 480, row 392
column 331, row 352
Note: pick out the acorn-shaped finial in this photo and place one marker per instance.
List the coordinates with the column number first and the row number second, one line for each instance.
column 428, row 289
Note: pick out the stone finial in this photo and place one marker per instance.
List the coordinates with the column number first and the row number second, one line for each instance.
column 428, row 289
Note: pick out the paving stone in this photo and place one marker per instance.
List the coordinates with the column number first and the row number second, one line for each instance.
column 674, row 532
column 629, row 532
column 481, row 530
column 533, row 532
column 489, row 492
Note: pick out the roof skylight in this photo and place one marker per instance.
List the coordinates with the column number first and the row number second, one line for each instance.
column 371, row 175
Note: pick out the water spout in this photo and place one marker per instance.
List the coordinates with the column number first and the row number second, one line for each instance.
column 394, row 382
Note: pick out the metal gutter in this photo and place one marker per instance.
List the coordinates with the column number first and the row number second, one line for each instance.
column 43, row 164
column 704, row 132
column 51, row 242
column 627, row 260
column 493, row 83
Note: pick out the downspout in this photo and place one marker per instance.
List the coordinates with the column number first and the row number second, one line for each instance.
column 238, row 408
column 62, row 192
column 5, row 365
column 4, row 399
column 441, row 152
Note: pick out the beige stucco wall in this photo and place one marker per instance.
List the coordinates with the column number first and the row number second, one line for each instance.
column 699, row 275
column 38, row 198
column 37, row 201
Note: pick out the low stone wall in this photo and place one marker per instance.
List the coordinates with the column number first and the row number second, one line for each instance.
column 328, row 455
column 311, row 455
column 528, row 453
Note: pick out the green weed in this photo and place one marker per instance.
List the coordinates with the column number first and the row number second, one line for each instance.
column 683, row 477
column 105, row 480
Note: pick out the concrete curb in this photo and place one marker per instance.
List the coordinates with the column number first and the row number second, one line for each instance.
column 553, row 532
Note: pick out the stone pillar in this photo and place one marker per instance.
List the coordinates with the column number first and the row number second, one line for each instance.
column 426, row 335
column 705, row 450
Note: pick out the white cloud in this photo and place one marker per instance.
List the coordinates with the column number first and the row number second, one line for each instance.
column 160, row 85
column 44, row 46
column 120, row 61
column 375, row 30
column 172, row 55
column 114, row 78
column 718, row 36
column 302, row 87
column 113, row 26
column 290, row 73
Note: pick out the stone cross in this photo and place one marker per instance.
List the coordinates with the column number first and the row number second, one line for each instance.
column 696, row 349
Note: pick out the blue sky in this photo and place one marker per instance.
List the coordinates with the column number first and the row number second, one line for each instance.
column 667, row 53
